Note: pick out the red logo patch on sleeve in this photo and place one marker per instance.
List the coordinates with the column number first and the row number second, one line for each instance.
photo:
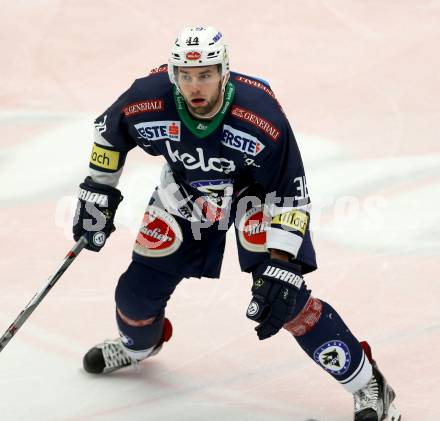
column 161, row 69
column 252, row 230
column 256, row 120
column 146, row 106
column 258, row 85
column 255, row 84
column 306, row 319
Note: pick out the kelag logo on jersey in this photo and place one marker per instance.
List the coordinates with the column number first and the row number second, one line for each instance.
column 201, row 162
column 159, row 130
column 241, row 141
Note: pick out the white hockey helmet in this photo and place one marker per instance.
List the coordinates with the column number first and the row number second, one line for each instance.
column 199, row 46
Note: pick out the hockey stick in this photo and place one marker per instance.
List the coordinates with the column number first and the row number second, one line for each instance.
column 38, row 297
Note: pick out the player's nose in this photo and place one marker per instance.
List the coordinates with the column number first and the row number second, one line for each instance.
column 195, row 89
column 195, row 84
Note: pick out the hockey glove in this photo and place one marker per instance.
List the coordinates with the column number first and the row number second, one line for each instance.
column 95, row 213
column 274, row 290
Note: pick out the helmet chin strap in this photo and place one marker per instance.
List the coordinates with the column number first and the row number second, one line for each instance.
column 220, row 101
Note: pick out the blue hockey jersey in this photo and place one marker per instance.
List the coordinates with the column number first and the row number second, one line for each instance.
column 249, row 147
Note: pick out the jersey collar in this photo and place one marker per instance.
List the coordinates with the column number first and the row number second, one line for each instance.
column 201, row 128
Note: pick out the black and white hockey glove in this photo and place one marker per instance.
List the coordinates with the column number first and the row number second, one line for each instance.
column 95, row 213
column 274, row 290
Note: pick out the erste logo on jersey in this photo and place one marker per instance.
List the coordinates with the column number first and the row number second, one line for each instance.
column 159, row 130
column 241, row 141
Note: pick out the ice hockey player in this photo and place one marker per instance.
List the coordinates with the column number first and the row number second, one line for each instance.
column 231, row 159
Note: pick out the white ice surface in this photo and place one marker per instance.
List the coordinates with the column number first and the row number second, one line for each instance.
column 359, row 81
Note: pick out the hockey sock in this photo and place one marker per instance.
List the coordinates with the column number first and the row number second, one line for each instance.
column 321, row 333
column 139, row 342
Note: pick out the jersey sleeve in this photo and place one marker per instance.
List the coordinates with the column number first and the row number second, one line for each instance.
column 112, row 142
column 281, row 174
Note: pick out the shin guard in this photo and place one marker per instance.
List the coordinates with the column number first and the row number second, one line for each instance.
column 322, row 334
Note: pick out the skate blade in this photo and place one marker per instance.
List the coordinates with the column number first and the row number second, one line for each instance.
column 393, row 413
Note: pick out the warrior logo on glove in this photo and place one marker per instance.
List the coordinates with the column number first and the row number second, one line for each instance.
column 95, row 213
column 253, row 309
column 274, row 295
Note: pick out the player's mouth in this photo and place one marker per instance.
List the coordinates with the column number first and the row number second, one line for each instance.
column 198, row 102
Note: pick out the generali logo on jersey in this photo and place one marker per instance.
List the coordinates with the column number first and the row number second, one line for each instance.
column 258, row 85
column 160, row 69
column 258, row 121
column 255, row 84
column 143, row 107
column 159, row 130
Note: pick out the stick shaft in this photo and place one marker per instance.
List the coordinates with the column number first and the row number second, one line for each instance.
column 39, row 296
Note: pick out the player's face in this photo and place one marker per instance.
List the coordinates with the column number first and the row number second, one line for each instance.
column 200, row 86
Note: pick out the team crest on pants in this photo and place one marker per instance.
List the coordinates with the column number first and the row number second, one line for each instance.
column 160, row 234
column 252, row 230
column 333, row 356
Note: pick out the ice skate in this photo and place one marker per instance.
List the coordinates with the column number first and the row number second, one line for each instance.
column 375, row 402
column 110, row 355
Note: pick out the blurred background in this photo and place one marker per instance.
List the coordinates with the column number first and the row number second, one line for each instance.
column 359, row 82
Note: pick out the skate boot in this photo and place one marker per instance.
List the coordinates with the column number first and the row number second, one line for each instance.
column 374, row 402
column 110, row 355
